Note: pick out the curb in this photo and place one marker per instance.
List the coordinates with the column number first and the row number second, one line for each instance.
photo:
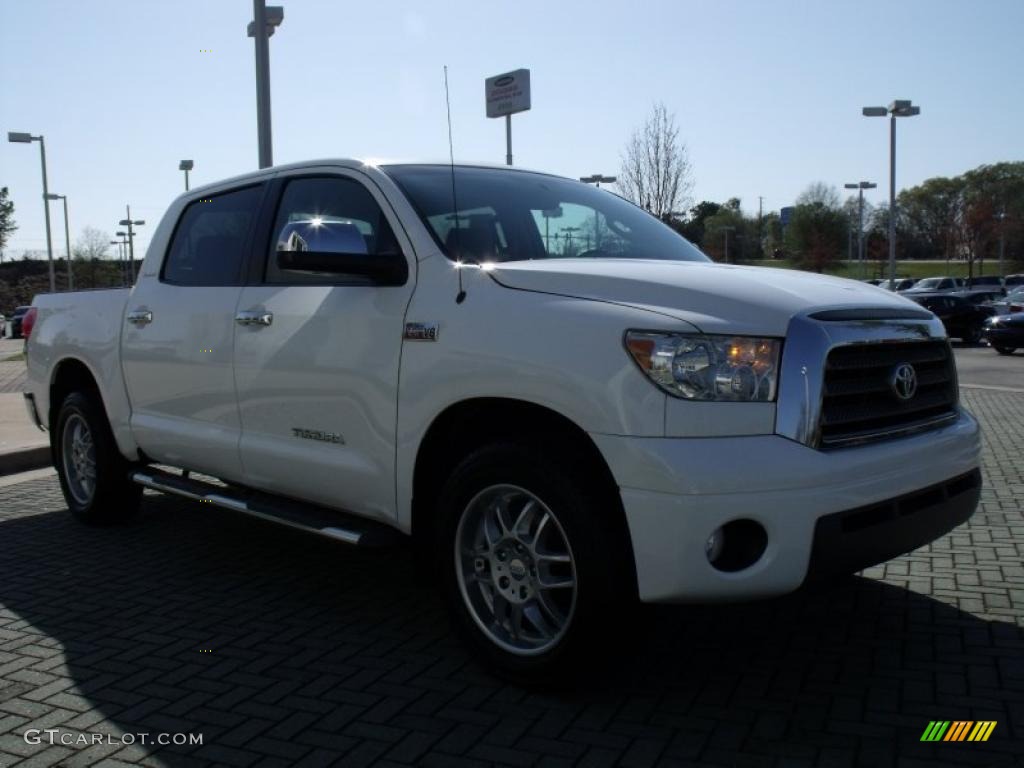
column 24, row 459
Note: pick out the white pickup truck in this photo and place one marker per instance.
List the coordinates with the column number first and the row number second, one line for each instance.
column 564, row 403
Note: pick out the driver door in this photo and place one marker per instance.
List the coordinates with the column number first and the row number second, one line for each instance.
column 316, row 354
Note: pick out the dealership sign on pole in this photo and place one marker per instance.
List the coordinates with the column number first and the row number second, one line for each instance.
column 505, row 95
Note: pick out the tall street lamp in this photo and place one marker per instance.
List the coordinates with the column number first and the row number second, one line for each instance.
column 27, row 138
column 67, row 236
column 597, row 180
column 898, row 108
column 124, row 256
column 726, row 231
column 265, row 21
column 120, row 261
column 186, row 166
column 1001, row 218
column 860, row 186
column 131, row 240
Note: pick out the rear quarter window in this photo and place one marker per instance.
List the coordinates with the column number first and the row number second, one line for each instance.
column 210, row 239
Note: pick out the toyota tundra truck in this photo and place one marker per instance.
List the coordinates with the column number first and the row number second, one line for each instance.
column 565, row 404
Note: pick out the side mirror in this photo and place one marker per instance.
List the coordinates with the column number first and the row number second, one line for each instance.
column 338, row 248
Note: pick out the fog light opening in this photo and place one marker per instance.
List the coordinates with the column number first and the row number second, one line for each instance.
column 736, row 545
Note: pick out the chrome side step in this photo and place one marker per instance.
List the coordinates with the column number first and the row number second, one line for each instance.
column 321, row 521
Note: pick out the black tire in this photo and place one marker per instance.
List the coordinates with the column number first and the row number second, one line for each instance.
column 113, row 498
column 1004, row 350
column 588, row 517
column 972, row 336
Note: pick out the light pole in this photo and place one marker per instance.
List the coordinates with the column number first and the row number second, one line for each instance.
column 27, row 138
column 860, row 186
column 131, row 240
column 265, row 21
column 186, row 166
column 1001, row 218
column 124, row 255
column 120, row 263
column 67, row 236
column 726, row 230
column 898, row 108
column 597, row 180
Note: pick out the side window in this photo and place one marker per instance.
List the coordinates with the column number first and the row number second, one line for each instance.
column 209, row 241
column 327, row 215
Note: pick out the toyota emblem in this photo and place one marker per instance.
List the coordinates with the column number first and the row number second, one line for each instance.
column 904, row 381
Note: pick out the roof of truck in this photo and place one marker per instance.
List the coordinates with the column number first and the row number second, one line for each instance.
column 349, row 162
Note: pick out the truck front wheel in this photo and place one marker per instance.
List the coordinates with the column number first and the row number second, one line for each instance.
column 93, row 473
column 534, row 574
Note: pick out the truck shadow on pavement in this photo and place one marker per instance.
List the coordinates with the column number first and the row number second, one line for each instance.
column 284, row 649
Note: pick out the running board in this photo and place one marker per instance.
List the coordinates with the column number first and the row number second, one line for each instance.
column 333, row 524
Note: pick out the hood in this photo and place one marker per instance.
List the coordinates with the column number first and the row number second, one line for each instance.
column 717, row 298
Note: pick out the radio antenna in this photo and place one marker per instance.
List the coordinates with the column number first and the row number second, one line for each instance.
column 461, row 295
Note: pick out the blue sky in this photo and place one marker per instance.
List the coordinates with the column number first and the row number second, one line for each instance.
column 767, row 95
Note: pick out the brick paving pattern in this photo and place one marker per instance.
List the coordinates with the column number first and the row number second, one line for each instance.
column 322, row 655
column 13, row 376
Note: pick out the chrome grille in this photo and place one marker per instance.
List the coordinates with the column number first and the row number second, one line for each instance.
column 859, row 403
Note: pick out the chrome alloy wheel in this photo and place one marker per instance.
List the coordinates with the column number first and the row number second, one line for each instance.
column 79, row 458
column 515, row 569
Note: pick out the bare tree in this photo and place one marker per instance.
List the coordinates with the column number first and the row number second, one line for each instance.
column 91, row 244
column 818, row 192
column 656, row 172
column 90, row 248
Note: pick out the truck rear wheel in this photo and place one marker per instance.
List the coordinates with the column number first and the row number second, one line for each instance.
column 93, row 473
column 533, row 573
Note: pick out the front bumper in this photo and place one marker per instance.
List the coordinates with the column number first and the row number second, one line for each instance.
column 677, row 492
column 1003, row 336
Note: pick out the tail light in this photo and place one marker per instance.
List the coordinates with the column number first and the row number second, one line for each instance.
column 28, row 321
column 1017, row 307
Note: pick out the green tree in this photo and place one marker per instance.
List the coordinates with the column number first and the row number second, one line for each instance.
column 817, row 232
column 7, row 225
column 729, row 226
column 692, row 228
column 929, row 214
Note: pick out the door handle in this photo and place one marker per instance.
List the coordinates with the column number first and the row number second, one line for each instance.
column 140, row 317
column 254, row 317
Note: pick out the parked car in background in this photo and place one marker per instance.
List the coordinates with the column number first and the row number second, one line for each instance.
column 901, row 284
column 1013, row 281
column 874, row 281
column 1010, row 303
column 16, row 319
column 989, row 282
column 962, row 319
column 980, row 298
column 937, row 285
column 1005, row 333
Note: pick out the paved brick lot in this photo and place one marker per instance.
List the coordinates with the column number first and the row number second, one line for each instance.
column 13, row 376
column 319, row 654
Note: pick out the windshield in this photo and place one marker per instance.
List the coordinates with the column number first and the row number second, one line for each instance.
column 929, row 282
column 506, row 215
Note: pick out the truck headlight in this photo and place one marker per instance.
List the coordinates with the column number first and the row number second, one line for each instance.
column 699, row 367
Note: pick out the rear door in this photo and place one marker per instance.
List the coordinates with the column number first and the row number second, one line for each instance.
column 317, row 365
column 177, row 346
